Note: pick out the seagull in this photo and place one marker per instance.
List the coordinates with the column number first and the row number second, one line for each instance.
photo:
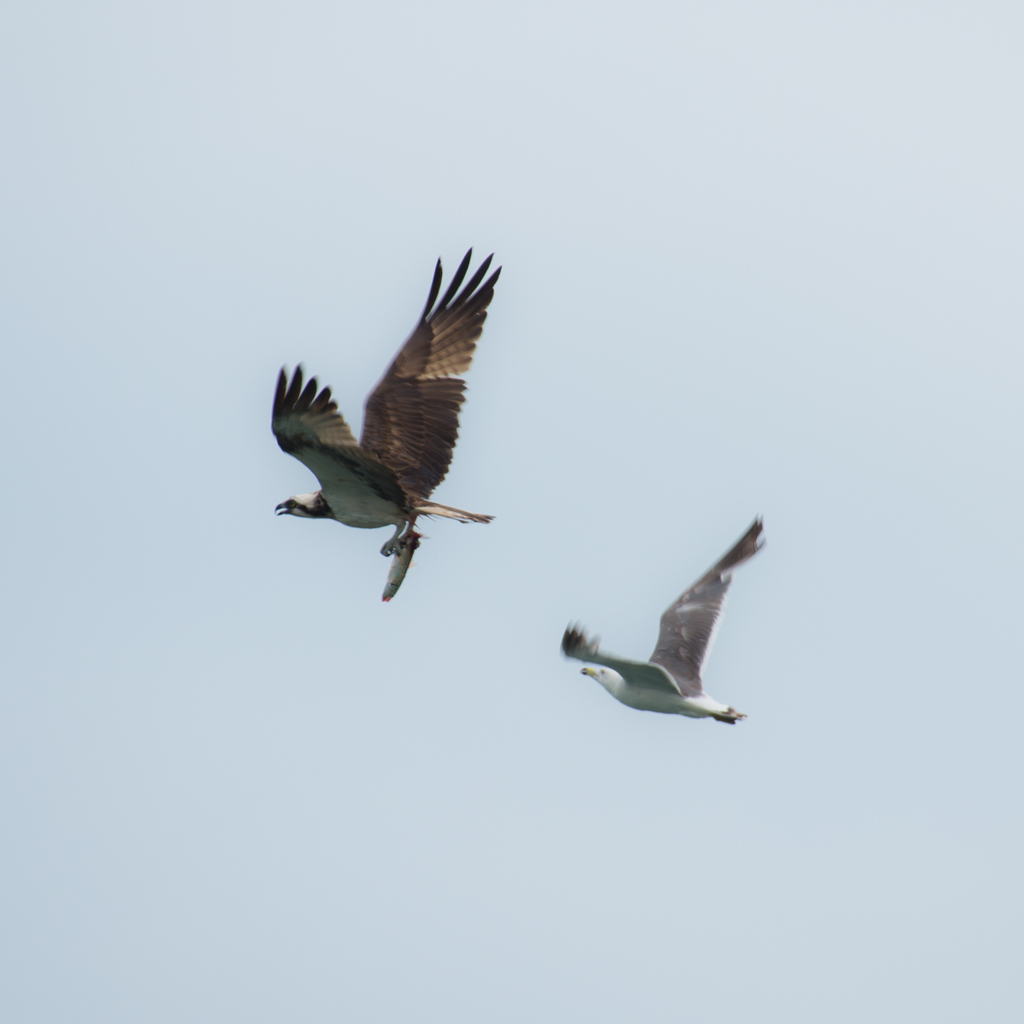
column 410, row 424
column 670, row 682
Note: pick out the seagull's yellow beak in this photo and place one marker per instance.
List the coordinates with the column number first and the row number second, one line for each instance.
column 588, row 672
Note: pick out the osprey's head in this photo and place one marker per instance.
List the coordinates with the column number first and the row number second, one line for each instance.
column 306, row 506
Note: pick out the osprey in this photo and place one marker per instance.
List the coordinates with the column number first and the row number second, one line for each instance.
column 670, row 682
column 410, row 422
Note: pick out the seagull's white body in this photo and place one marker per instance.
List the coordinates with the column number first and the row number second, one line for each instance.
column 644, row 699
column 670, row 683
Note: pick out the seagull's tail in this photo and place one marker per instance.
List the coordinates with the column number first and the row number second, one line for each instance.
column 730, row 716
column 432, row 508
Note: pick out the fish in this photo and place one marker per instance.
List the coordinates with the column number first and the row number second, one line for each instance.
column 400, row 564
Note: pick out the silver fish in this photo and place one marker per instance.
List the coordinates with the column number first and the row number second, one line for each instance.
column 400, row 564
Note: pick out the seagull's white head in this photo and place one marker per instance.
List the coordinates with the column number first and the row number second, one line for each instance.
column 306, row 506
column 607, row 677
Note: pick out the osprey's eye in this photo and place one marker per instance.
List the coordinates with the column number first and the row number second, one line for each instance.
column 292, row 504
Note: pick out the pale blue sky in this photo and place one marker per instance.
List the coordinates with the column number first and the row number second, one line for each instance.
column 759, row 258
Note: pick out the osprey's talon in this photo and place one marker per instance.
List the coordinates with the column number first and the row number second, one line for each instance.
column 394, row 542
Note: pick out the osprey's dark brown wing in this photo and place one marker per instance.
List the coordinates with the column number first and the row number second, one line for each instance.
column 688, row 626
column 307, row 424
column 412, row 416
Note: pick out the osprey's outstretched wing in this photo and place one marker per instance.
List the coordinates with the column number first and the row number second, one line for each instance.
column 688, row 625
column 412, row 416
column 309, row 426
column 576, row 644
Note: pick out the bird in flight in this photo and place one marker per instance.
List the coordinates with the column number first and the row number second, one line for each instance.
column 670, row 682
column 410, row 424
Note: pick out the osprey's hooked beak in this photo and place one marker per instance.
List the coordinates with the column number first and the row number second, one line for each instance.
column 281, row 509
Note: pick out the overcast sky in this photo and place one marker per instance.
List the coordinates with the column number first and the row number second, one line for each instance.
column 759, row 258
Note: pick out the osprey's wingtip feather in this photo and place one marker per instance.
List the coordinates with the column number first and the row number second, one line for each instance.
column 456, row 281
column 435, row 287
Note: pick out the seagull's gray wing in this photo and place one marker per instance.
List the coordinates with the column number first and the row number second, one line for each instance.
column 688, row 626
column 412, row 416
column 309, row 426
column 576, row 644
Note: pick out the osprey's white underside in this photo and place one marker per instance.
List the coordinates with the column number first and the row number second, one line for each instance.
column 355, row 504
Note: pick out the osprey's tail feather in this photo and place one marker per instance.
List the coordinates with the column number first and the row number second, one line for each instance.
column 432, row 508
